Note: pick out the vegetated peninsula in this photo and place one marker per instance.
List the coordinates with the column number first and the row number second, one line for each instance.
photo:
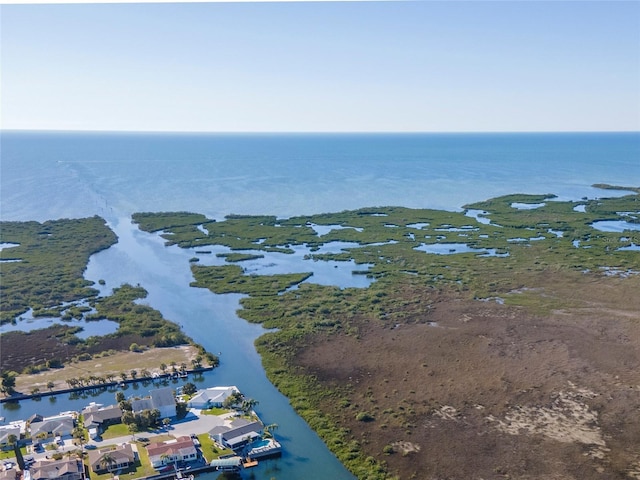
column 502, row 341
column 42, row 268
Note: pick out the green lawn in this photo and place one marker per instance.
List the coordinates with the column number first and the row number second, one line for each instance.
column 215, row 411
column 7, row 454
column 117, row 430
column 142, row 467
column 209, row 448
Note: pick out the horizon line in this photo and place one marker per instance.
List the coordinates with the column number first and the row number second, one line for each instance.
column 307, row 132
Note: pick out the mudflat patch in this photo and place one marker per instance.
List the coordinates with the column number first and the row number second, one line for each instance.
column 468, row 389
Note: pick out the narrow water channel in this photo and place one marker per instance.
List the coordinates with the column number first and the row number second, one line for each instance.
column 211, row 320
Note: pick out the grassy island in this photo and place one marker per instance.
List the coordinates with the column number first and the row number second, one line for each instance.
column 447, row 362
column 42, row 269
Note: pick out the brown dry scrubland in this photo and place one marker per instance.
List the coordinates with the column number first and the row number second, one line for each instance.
column 120, row 361
column 470, row 389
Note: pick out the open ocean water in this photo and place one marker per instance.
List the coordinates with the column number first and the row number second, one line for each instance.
column 56, row 175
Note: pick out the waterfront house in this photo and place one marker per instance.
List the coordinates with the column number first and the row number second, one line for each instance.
column 212, row 397
column 181, row 449
column 96, row 418
column 59, row 425
column 238, row 434
column 67, row 469
column 5, row 432
column 161, row 399
column 112, row 459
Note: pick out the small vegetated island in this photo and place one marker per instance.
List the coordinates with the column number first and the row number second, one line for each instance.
column 42, row 275
column 501, row 341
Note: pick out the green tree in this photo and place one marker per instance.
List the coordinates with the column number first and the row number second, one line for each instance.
column 50, row 385
column 154, row 417
column 189, row 388
column 7, row 386
column 79, row 434
column 268, row 430
column 248, row 404
column 12, row 440
column 107, row 461
column 120, row 397
column 165, row 458
column 133, row 428
column 234, row 399
column 128, row 417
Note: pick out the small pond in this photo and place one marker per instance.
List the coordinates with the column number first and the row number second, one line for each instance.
column 526, row 206
column 93, row 328
column 615, row 226
column 325, row 229
column 452, row 248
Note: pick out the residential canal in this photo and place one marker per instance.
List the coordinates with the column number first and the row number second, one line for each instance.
column 211, row 320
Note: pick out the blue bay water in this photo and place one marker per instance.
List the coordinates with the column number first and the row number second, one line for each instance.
column 55, row 175
column 52, row 175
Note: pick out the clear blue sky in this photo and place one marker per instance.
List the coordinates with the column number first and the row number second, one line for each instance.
column 332, row 66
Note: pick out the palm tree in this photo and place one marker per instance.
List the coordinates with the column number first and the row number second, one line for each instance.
column 8, row 383
column 107, row 461
column 12, row 440
column 133, row 428
column 50, row 386
column 268, row 430
column 165, row 458
column 163, row 367
column 248, row 404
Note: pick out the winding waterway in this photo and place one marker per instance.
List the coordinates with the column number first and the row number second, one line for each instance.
column 211, row 320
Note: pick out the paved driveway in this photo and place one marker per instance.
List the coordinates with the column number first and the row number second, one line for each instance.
column 193, row 423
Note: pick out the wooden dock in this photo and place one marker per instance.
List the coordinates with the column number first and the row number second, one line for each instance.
column 248, row 463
